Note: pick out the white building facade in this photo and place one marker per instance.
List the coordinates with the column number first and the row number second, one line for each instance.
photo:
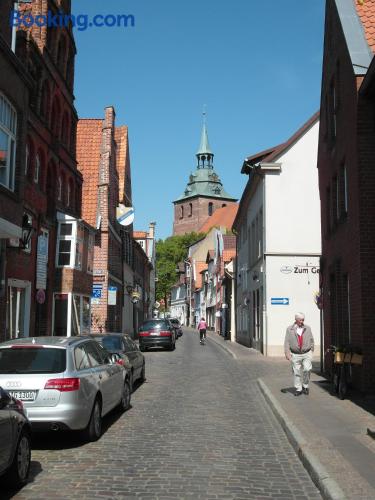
column 279, row 243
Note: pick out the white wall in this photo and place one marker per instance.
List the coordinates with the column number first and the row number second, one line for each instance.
column 292, row 200
column 297, row 279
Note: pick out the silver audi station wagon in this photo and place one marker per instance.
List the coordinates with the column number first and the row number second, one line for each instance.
column 64, row 382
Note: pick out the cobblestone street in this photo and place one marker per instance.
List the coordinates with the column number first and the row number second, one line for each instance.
column 198, row 428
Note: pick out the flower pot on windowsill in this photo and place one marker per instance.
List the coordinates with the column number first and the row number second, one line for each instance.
column 339, row 357
column 357, row 359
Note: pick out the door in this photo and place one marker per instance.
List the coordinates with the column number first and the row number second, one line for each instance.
column 18, row 311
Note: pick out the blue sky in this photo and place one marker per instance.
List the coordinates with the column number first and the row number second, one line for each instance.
column 256, row 64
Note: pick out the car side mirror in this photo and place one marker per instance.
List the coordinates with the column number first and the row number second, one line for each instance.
column 5, row 398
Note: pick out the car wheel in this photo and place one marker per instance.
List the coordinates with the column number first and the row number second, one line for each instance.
column 19, row 470
column 94, row 428
column 125, row 396
column 143, row 372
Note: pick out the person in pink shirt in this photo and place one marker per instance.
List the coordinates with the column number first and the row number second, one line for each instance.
column 202, row 327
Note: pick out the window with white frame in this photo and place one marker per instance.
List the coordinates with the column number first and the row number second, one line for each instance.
column 65, row 244
column 8, row 132
column 70, row 244
column 37, row 169
column 79, row 246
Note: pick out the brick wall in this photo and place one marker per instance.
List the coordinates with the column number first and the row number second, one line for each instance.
column 199, row 213
column 347, row 240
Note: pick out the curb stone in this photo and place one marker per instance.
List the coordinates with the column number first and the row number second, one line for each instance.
column 223, row 346
column 327, row 486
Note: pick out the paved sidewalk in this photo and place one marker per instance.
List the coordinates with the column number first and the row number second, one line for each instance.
column 329, row 435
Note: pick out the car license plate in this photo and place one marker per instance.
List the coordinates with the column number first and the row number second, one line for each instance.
column 24, row 395
column 155, row 332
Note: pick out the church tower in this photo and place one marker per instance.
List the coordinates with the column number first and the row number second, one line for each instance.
column 203, row 194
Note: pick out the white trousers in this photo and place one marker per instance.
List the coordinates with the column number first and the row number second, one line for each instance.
column 304, row 362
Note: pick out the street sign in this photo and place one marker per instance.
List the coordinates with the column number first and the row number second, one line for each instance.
column 280, row 301
column 97, row 291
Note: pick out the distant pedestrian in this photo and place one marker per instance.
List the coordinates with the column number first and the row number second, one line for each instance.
column 298, row 347
column 202, row 327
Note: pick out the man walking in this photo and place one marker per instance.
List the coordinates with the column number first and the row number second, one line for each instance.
column 298, row 347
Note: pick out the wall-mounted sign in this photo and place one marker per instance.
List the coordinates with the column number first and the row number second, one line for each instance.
column 306, row 269
column 97, row 290
column 279, row 301
column 112, row 295
column 125, row 215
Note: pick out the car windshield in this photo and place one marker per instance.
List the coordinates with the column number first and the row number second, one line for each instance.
column 153, row 323
column 111, row 343
column 32, row 360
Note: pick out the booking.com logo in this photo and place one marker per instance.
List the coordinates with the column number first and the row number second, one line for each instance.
column 81, row 21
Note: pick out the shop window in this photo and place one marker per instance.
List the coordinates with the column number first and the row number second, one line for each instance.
column 8, row 131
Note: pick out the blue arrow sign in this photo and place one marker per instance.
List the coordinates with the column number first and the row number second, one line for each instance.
column 280, row 301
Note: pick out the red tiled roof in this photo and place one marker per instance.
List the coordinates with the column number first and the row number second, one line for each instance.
column 222, row 217
column 139, row 235
column 89, row 141
column 229, row 241
column 366, row 13
column 228, row 255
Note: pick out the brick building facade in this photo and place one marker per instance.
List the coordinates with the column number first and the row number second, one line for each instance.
column 346, row 161
column 49, row 282
column 204, row 193
column 103, row 159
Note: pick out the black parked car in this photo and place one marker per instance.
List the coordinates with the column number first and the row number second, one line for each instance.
column 177, row 326
column 127, row 349
column 15, row 440
column 157, row 333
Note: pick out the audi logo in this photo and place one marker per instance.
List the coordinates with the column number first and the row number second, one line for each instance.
column 13, row 384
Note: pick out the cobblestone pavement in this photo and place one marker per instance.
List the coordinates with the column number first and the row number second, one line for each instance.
column 198, row 428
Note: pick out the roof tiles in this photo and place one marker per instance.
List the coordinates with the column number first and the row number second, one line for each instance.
column 222, row 217
column 366, row 13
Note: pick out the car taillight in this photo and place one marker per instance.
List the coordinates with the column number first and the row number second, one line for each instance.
column 165, row 333
column 63, row 384
column 144, row 334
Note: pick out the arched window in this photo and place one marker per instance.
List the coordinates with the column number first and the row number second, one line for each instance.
column 36, row 169
column 27, row 158
column 59, row 188
column 61, row 55
column 55, row 119
column 65, row 129
column 224, row 205
column 190, row 209
column 181, row 212
column 210, row 208
column 8, row 138
column 46, row 101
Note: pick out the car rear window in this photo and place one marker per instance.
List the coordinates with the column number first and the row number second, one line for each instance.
column 149, row 325
column 111, row 343
column 32, row 360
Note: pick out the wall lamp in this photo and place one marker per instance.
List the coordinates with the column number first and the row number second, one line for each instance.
column 27, row 231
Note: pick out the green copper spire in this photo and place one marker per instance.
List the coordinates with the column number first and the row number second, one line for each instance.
column 204, row 155
column 204, row 147
column 204, row 182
